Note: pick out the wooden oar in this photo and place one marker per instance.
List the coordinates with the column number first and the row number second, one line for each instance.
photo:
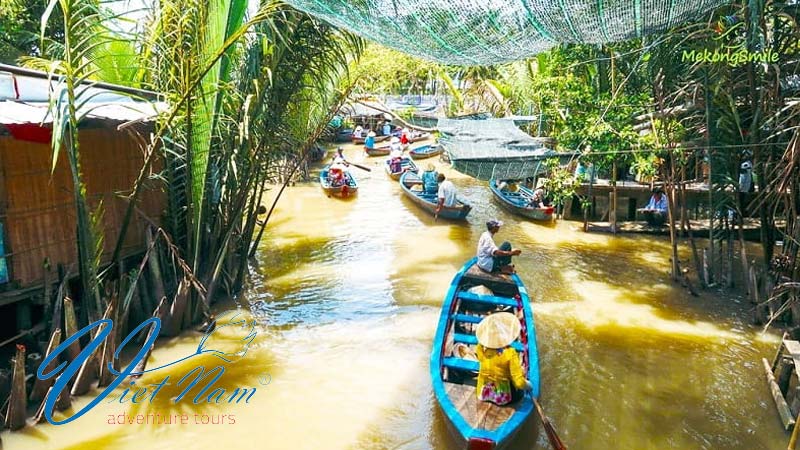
column 360, row 166
column 552, row 436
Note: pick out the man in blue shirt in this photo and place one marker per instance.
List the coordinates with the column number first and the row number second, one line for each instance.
column 655, row 213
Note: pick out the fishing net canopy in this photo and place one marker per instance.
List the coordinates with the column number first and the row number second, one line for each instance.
column 484, row 32
column 493, row 149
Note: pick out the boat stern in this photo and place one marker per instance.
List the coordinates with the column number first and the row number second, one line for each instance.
column 478, row 443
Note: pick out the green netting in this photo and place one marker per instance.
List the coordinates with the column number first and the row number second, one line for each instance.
column 493, row 148
column 480, row 32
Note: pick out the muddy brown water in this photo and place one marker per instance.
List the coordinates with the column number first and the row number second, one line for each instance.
column 347, row 292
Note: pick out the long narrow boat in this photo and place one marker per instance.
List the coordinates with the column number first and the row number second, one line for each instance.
column 418, row 137
column 383, row 150
column 407, row 166
column 518, row 202
column 360, row 140
column 428, row 202
column 347, row 189
column 473, row 423
column 425, row 151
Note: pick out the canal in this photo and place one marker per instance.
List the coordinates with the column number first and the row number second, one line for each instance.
column 347, row 292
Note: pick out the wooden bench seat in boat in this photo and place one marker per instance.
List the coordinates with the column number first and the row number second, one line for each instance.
column 466, row 318
column 468, row 365
column 470, row 339
column 487, row 299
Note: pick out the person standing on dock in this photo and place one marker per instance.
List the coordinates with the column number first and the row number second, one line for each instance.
column 491, row 258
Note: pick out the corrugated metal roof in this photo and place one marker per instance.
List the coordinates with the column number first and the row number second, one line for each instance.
column 39, row 113
column 25, row 99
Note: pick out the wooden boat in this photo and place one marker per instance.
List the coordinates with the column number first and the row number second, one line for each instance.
column 473, row 423
column 383, row 150
column 357, row 140
column 407, row 166
column 517, row 202
column 425, row 151
column 349, row 188
column 428, row 202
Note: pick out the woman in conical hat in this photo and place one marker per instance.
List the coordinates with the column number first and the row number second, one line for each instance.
column 500, row 366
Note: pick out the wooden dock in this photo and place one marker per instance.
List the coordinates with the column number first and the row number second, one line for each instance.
column 700, row 228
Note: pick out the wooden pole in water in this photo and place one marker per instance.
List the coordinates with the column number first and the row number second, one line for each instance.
column 17, row 401
column 795, row 435
column 549, row 429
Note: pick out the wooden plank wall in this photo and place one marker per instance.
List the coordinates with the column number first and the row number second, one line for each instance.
column 37, row 206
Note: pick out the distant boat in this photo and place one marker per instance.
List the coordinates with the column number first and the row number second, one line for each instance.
column 407, row 166
column 360, row 140
column 518, row 202
column 418, row 137
column 349, row 188
column 425, row 151
column 473, row 423
column 343, row 135
column 383, row 150
column 428, row 202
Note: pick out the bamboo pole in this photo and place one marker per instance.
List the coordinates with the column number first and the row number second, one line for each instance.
column 780, row 403
column 40, row 387
column 70, row 328
column 17, row 401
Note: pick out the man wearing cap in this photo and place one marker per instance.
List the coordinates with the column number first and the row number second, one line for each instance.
column 490, row 257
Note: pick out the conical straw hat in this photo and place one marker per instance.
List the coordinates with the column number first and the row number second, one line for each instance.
column 498, row 330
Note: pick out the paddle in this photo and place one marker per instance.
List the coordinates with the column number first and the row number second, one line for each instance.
column 552, row 436
column 360, row 166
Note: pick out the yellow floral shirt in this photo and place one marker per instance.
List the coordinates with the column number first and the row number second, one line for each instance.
column 500, row 367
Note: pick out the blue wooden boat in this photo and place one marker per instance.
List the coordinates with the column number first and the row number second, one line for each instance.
column 349, row 188
column 383, row 150
column 518, row 202
column 425, row 151
column 473, row 423
column 407, row 166
column 409, row 181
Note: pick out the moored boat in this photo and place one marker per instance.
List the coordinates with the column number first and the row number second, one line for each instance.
column 360, row 140
column 429, row 201
column 519, row 202
column 407, row 165
column 383, row 150
column 473, row 423
column 425, row 151
column 350, row 187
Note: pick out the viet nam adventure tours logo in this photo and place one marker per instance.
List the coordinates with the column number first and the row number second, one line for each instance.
column 733, row 55
column 198, row 380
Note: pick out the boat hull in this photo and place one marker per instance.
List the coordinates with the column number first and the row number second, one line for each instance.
column 378, row 151
column 510, row 201
column 350, row 188
column 425, row 151
column 428, row 202
column 408, row 166
column 357, row 140
column 468, row 419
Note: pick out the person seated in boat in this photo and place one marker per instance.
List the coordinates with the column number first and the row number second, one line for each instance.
column 358, row 132
column 336, row 174
column 537, row 200
column 369, row 141
column 500, row 365
column 655, row 212
column 447, row 193
column 430, row 180
column 338, row 158
column 395, row 156
column 404, row 137
column 507, row 186
column 492, row 258
column 387, row 128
